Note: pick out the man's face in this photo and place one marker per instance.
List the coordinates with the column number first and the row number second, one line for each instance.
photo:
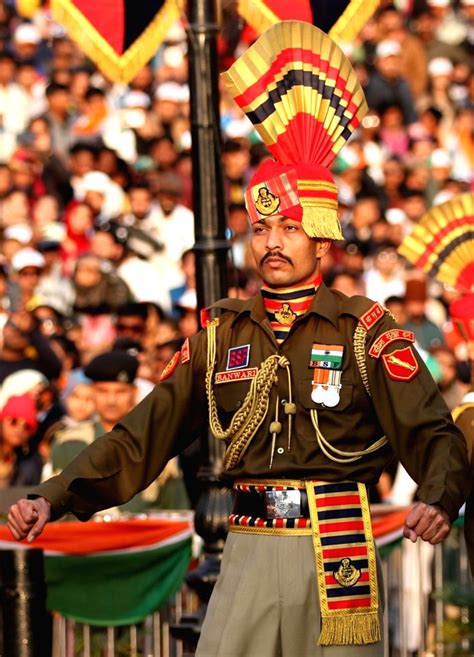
column 28, row 279
column 113, row 400
column 131, row 326
column 140, row 202
column 13, row 338
column 284, row 254
column 167, row 201
column 389, row 67
column 447, row 364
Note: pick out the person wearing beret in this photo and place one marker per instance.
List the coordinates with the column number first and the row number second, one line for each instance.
column 311, row 391
column 114, row 379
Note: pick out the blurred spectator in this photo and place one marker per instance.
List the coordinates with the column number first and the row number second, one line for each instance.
column 113, row 375
column 98, row 290
column 132, row 321
column 385, row 278
column 396, row 305
column 59, row 117
column 386, row 86
column 79, row 405
column 427, row 333
column 448, row 383
column 79, row 224
column 413, row 59
column 14, row 108
column 27, row 265
column 18, row 424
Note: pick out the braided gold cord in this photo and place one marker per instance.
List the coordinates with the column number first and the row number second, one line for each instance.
column 251, row 414
column 347, row 456
column 360, row 336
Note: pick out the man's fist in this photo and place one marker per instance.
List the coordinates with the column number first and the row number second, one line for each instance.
column 27, row 518
column 429, row 522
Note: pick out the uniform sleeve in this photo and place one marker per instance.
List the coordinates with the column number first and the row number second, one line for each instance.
column 417, row 422
column 126, row 460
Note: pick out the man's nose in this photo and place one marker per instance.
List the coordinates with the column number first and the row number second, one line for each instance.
column 273, row 239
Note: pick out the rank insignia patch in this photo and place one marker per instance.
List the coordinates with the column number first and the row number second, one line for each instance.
column 401, row 364
column 238, row 357
column 387, row 338
column 372, row 316
column 170, row 368
column 186, row 352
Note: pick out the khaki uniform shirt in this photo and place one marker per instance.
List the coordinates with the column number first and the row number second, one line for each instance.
column 411, row 414
column 464, row 415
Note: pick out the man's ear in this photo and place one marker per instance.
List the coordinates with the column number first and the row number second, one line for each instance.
column 322, row 247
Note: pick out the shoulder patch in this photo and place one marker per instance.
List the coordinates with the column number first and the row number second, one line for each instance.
column 372, row 316
column 186, row 352
column 401, row 364
column 170, row 368
column 386, row 338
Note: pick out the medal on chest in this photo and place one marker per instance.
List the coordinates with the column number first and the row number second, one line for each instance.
column 326, row 361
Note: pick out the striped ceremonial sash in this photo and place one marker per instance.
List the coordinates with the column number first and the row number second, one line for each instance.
column 345, row 562
column 344, row 551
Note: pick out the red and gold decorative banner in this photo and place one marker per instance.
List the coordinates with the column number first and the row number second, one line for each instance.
column 119, row 36
column 341, row 19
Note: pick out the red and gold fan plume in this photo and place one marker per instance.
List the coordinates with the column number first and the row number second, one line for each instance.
column 299, row 90
column 304, row 99
column 442, row 245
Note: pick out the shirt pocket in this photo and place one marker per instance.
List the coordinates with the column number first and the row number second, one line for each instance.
column 230, row 396
column 305, row 389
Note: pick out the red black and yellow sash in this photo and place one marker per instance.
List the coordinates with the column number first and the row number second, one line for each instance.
column 344, row 550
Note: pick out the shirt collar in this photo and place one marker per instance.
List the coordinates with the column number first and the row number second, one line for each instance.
column 323, row 304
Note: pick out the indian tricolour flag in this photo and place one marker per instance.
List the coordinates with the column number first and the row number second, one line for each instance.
column 328, row 356
column 112, row 573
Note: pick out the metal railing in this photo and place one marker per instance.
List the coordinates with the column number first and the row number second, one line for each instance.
column 414, row 620
column 151, row 638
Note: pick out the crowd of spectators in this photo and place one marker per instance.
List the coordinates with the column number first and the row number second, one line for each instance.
column 96, row 217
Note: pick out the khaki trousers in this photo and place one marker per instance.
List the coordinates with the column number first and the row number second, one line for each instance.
column 265, row 603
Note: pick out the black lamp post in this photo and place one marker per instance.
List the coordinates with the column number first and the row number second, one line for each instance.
column 211, row 272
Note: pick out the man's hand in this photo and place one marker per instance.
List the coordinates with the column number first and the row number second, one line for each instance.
column 27, row 518
column 427, row 521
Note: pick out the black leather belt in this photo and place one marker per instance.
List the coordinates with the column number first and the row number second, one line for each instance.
column 272, row 504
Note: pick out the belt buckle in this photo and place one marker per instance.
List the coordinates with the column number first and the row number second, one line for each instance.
column 283, row 504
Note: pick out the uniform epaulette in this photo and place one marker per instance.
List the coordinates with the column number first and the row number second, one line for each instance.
column 222, row 305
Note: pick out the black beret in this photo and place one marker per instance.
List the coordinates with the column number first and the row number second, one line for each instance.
column 113, row 366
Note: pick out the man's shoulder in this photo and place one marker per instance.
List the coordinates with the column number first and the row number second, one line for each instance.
column 357, row 306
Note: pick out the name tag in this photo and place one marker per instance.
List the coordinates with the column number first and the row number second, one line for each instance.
column 236, row 375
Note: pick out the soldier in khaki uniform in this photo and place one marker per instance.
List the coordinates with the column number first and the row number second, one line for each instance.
column 312, row 392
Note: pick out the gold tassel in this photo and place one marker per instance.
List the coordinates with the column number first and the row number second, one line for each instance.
column 321, row 222
column 355, row 629
column 118, row 68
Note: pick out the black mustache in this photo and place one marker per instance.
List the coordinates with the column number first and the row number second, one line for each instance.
column 275, row 255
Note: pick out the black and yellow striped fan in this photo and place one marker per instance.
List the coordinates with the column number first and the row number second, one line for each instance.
column 299, row 90
column 442, row 243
